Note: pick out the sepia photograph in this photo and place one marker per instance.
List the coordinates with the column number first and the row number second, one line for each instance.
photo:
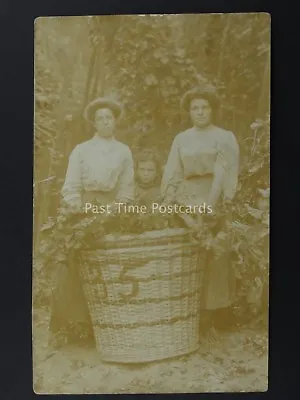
column 151, row 203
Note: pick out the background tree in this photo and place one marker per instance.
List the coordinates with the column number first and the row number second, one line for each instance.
column 147, row 63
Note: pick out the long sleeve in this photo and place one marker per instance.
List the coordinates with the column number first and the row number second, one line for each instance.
column 225, row 168
column 228, row 160
column 173, row 173
column 72, row 187
column 126, row 185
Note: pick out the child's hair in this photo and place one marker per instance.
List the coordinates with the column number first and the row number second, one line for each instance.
column 150, row 154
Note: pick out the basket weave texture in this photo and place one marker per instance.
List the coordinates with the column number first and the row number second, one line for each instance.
column 143, row 295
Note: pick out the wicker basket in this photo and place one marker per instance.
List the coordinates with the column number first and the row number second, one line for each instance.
column 143, row 295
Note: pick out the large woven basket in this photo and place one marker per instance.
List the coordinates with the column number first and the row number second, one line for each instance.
column 143, row 295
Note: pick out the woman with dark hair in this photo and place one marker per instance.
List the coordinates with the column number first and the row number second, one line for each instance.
column 202, row 167
column 102, row 167
column 100, row 170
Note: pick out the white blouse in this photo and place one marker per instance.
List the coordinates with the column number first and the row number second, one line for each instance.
column 197, row 153
column 100, row 165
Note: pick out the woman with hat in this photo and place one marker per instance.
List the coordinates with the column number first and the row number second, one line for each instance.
column 202, row 167
column 102, row 167
column 100, row 170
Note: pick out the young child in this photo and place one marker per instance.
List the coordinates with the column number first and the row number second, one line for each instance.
column 148, row 172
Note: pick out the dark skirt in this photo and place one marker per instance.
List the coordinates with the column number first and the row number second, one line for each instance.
column 70, row 318
column 219, row 282
column 219, row 279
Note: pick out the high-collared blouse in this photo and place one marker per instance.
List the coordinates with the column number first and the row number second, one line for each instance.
column 195, row 153
column 100, row 164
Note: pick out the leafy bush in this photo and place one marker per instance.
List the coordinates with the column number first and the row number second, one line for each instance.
column 148, row 63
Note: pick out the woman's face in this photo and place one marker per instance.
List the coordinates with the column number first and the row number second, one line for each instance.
column 105, row 122
column 200, row 112
column 146, row 171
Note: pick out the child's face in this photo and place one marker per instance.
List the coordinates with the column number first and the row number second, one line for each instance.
column 146, row 171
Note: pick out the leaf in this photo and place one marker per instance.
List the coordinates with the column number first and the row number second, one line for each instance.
column 164, row 60
column 255, row 213
column 256, row 167
column 264, row 192
column 150, row 80
column 180, row 52
column 240, row 227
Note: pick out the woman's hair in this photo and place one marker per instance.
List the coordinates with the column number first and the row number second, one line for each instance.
column 205, row 91
column 150, row 154
column 102, row 102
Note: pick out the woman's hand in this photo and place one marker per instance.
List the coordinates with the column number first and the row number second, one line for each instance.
column 190, row 222
column 157, row 211
column 72, row 207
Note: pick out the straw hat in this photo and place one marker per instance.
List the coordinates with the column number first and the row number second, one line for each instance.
column 102, row 102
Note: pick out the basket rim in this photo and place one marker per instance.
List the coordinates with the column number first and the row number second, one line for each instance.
column 154, row 234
